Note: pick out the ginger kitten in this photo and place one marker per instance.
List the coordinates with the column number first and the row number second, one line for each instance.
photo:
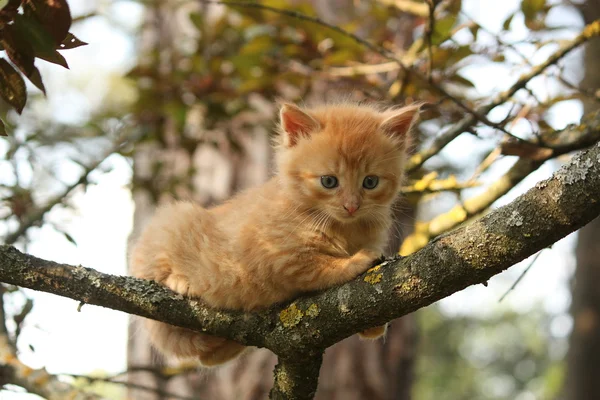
column 320, row 221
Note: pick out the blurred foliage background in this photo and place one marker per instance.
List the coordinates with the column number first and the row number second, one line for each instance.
column 181, row 103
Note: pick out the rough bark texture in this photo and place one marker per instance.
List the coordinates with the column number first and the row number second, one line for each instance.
column 583, row 360
column 299, row 330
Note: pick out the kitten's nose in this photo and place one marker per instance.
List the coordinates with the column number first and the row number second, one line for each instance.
column 351, row 208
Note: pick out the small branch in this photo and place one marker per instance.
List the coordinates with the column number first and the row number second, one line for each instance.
column 514, row 285
column 36, row 381
column 38, row 214
column 382, row 51
column 590, row 31
column 159, row 392
column 431, row 4
column 572, row 138
column 296, row 379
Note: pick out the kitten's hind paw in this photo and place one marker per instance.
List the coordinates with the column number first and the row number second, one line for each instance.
column 373, row 333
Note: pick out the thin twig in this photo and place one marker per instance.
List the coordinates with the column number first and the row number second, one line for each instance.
column 159, row 392
column 469, row 120
column 428, row 36
column 38, row 214
column 533, row 260
column 387, row 54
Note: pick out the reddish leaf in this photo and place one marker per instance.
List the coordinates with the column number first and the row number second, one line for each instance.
column 18, row 49
column 28, row 28
column 54, row 15
column 35, row 78
column 71, row 42
column 21, row 54
column 55, row 57
column 8, row 12
column 12, row 86
column 12, row 5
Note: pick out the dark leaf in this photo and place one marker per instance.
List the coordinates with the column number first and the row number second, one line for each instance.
column 506, row 24
column 71, row 42
column 474, row 29
column 20, row 53
column 70, row 238
column 460, row 80
column 8, row 12
column 53, row 15
column 12, row 86
column 29, row 29
column 31, row 33
column 3, row 129
column 12, row 5
column 18, row 49
column 55, row 58
column 36, row 79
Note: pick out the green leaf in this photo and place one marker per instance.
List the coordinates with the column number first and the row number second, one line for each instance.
column 70, row 238
column 506, row 24
column 461, row 80
column 442, row 29
column 71, row 42
column 3, row 129
column 53, row 15
column 474, row 31
column 12, row 86
column 198, row 20
column 531, row 10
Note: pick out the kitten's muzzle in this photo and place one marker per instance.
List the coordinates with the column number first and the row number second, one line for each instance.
column 351, row 208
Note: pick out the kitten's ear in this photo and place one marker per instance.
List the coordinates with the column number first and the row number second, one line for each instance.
column 399, row 123
column 295, row 124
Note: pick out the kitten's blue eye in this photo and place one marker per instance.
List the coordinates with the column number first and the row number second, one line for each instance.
column 329, row 181
column 370, row 182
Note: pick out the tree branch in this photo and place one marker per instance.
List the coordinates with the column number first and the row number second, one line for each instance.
column 473, row 115
column 573, row 137
column 590, row 31
column 299, row 331
column 38, row 214
column 296, row 379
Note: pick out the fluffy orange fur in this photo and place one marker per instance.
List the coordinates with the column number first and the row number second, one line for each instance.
column 291, row 235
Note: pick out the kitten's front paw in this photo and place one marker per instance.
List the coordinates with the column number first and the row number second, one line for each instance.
column 178, row 283
column 363, row 260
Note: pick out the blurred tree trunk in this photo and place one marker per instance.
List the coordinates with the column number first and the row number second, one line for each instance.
column 583, row 368
column 166, row 166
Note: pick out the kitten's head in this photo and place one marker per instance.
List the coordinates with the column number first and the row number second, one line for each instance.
column 344, row 160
